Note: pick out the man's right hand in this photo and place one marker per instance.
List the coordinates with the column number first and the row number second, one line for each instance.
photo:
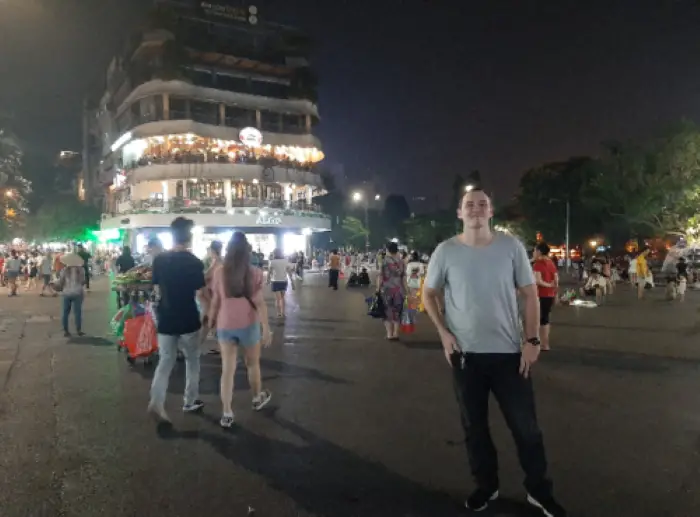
column 449, row 344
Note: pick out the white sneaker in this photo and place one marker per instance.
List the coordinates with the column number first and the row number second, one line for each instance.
column 261, row 400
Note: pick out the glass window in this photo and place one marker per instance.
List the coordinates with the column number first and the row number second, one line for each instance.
column 292, row 123
column 200, row 77
column 269, row 121
column 233, row 84
column 239, row 117
column 178, row 108
column 204, row 112
column 268, row 89
column 158, row 107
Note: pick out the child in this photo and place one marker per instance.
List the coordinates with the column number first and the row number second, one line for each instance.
column 595, row 286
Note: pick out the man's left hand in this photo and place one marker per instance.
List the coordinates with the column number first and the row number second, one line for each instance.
column 528, row 356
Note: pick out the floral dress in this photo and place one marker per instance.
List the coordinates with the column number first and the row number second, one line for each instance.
column 393, row 273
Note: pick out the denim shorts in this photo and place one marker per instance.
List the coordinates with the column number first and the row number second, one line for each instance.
column 245, row 337
column 279, row 287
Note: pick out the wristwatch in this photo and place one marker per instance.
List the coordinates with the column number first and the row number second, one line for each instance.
column 534, row 341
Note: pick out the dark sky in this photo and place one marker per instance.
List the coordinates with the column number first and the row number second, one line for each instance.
column 413, row 91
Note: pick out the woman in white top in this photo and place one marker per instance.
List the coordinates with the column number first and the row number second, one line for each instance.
column 280, row 276
column 415, row 271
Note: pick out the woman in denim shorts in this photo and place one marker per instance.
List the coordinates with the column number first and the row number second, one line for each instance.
column 239, row 314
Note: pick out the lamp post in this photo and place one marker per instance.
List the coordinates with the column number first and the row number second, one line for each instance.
column 567, row 251
column 358, row 197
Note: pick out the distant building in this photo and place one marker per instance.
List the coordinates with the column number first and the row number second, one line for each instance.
column 69, row 174
column 208, row 111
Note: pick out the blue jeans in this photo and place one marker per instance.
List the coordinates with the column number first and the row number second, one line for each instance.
column 76, row 303
column 167, row 350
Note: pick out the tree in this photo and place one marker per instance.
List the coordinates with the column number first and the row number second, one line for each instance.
column 425, row 232
column 14, row 187
column 544, row 192
column 63, row 218
column 354, row 232
column 396, row 211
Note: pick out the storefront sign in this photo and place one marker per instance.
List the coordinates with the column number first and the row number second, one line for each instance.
column 264, row 219
column 251, row 137
column 241, row 14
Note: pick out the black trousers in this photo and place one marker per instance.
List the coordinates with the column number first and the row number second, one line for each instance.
column 87, row 277
column 475, row 377
column 333, row 278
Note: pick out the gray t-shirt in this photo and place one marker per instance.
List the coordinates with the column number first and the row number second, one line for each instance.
column 481, row 306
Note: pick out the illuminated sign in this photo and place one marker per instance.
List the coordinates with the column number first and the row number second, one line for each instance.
column 251, row 137
column 241, row 14
column 264, row 219
column 121, row 141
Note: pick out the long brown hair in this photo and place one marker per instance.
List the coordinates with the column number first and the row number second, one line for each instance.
column 237, row 278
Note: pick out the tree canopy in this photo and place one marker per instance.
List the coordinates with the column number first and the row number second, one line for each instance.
column 644, row 189
column 62, row 218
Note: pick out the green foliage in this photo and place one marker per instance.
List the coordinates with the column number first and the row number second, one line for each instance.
column 424, row 232
column 14, row 187
column 634, row 189
column 544, row 192
column 354, row 232
column 63, row 218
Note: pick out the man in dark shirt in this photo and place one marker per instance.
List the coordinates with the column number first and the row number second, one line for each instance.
column 83, row 253
column 125, row 262
column 178, row 276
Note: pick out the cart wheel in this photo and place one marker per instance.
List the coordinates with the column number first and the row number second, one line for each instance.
column 130, row 360
column 148, row 363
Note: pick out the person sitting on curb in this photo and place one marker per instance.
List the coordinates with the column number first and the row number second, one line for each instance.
column 596, row 285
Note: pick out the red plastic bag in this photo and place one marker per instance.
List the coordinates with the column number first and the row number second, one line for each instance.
column 140, row 336
column 408, row 325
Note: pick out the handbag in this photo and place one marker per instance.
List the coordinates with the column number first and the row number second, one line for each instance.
column 408, row 320
column 376, row 309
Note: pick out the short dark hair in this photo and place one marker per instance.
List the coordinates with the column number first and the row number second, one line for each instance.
column 543, row 248
column 216, row 246
column 392, row 248
column 181, row 228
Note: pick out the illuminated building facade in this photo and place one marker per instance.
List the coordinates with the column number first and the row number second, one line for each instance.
column 209, row 113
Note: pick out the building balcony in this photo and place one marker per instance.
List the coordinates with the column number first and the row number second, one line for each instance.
column 217, row 205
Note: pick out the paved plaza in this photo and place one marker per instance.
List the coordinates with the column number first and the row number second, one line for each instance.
column 358, row 426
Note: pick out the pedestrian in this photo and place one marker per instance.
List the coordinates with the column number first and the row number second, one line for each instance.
column 13, row 267
column 46, row 272
column 279, row 277
column 334, row 265
column 214, row 262
column 83, row 253
column 547, row 280
column 71, row 284
column 239, row 312
column 178, row 277
column 391, row 283
column 482, row 274
column 643, row 273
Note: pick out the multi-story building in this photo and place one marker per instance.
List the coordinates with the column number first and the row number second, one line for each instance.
column 209, row 113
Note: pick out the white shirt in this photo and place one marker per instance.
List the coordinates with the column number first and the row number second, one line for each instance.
column 279, row 270
column 414, row 272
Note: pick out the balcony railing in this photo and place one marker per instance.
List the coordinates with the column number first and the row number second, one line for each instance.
column 217, row 205
column 189, row 158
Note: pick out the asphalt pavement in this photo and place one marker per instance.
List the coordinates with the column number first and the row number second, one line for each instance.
column 357, row 427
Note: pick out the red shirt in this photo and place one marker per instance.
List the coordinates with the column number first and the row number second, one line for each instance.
column 548, row 271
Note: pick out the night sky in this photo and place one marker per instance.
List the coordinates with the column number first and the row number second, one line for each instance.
column 411, row 91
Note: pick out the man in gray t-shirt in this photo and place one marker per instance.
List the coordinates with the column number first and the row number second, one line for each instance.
column 481, row 306
column 481, row 275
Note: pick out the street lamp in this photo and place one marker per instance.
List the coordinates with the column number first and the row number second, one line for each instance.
column 469, row 188
column 567, row 252
column 358, row 197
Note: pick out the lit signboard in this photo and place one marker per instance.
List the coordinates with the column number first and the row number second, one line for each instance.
column 251, row 137
column 242, row 14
